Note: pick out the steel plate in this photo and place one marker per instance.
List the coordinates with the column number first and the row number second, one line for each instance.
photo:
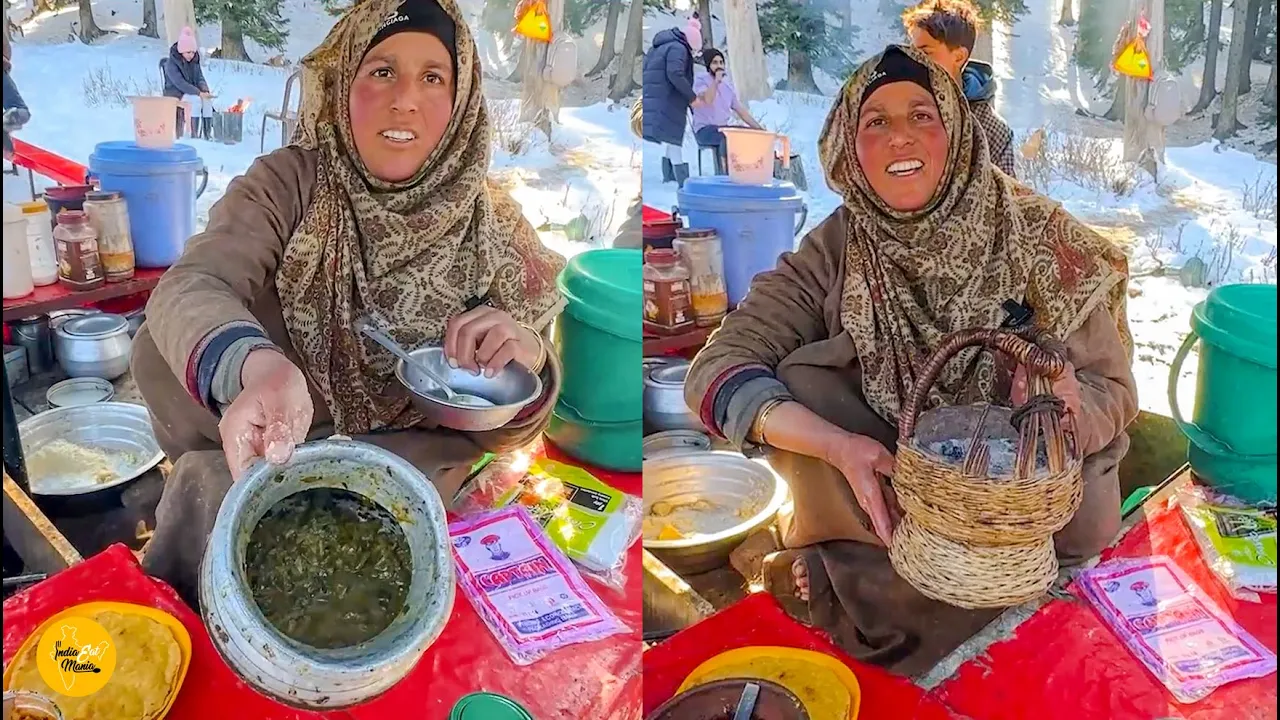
column 107, row 425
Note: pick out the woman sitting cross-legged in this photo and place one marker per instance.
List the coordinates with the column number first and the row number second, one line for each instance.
column 381, row 206
column 817, row 361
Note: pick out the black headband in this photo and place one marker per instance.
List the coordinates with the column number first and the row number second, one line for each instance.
column 419, row 16
column 898, row 66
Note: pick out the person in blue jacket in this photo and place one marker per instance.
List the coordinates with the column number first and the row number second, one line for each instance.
column 16, row 113
column 183, row 78
column 667, row 95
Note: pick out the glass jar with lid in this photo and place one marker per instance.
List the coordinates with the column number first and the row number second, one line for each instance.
column 110, row 218
column 79, row 265
column 700, row 251
column 667, row 303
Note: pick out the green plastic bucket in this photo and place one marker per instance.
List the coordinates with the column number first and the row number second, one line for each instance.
column 610, row 446
column 599, row 336
column 1232, row 432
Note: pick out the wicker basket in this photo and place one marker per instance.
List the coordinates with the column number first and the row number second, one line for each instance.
column 975, row 534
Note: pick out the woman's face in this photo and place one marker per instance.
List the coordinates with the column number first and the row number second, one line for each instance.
column 188, row 56
column 401, row 102
column 902, row 145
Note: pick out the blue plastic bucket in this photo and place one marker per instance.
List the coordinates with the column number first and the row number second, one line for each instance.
column 160, row 190
column 756, row 224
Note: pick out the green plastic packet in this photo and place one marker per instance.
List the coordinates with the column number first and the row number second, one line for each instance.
column 1237, row 541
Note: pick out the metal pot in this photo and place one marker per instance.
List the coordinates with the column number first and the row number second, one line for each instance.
column 282, row 668
column 57, row 317
column 664, row 405
column 135, row 319
column 726, row 479
column 33, row 334
column 674, row 442
column 94, row 346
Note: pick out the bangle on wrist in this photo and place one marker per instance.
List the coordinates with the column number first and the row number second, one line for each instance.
column 542, row 350
column 763, row 417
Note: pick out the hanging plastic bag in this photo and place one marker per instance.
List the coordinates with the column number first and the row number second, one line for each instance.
column 534, row 21
column 1237, row 542
column 590, row 521
column 1134, row 61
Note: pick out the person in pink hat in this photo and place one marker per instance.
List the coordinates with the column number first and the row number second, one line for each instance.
column 693, row 33
column 183, row 79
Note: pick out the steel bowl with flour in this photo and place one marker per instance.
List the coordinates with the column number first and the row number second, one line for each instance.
column 302, row 676
column 737, row 495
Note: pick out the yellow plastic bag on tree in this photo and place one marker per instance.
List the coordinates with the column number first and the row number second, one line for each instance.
column 1134, row 61
column 534, row 22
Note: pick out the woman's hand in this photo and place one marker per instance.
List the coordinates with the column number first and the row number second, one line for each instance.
column 862, row 461
column 1066, row 388
column 486, row 339
column 270, row 416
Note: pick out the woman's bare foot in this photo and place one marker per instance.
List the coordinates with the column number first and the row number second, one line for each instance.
column 800, row 572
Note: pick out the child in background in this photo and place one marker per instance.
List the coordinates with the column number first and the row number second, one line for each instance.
column 946, row 30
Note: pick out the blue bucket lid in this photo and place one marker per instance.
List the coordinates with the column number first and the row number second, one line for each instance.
column 720, row 189
column 122, row 155
column 603, row 289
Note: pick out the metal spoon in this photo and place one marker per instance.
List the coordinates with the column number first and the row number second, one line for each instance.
column 747, row 703
column 385, row 341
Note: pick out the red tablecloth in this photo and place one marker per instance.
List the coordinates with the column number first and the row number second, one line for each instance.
column 758, row 620
column 595, row 681
column 1064, row 663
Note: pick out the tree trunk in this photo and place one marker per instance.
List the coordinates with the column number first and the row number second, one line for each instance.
column 1269, row 96
column 149, row 27
column 177, row 15
column 233, row 40
column 1266, row 23
column 518, row 71
column 540, row 100
column 1250, row 29
column 1066, row 18
column 1237, row 62
column 607, row 48
column 1209, row 84
column 800, row 68
column 704, row 16
column 1196, row 35
column 746, row 50
column 625, row 81
column 982, row 48
column 1116, row 111
column 89, row 30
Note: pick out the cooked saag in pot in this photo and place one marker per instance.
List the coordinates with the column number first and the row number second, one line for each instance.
column 328, row 568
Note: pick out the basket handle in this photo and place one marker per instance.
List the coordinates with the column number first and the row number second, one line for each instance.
column 1039, row 362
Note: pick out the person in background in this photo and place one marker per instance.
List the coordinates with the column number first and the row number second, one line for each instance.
column 381, row 206
column 631, row 235
column 16, row 113
column 946, row 31
column 693, row 33
column 183, row 78
column 715, row 107
column 667, row 95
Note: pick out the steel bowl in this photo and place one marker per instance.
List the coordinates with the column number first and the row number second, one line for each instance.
column 108, row 425
column 510, row 391
column 282, row 668
column 664, row 404
column 722, row 478
column 674, row 442
column 32, row 703
column 94, row 346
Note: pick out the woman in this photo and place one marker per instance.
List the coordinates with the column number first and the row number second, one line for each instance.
column 818, row 359
column 715, row 107
column 380, row 207
column 183, row 78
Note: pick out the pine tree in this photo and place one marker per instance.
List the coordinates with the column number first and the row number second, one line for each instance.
column 1208, row 84
column 800, row 29
column 1184, row 32
column 1100, row 24
column 258, row 20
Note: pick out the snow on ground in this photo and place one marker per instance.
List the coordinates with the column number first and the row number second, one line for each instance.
column 77, row 98
column 1201, row 206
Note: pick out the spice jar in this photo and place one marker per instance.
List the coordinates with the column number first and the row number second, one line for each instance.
column 44, row 258
column 79, row 266
column 667, row 302
column 110, row 218
column 701, row 253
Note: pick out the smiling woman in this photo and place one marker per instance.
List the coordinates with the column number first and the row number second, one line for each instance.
column 379, row 208
column 816, row 362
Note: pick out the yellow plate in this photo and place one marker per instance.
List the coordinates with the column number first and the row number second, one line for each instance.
column 746, row 654
column 178, row 630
